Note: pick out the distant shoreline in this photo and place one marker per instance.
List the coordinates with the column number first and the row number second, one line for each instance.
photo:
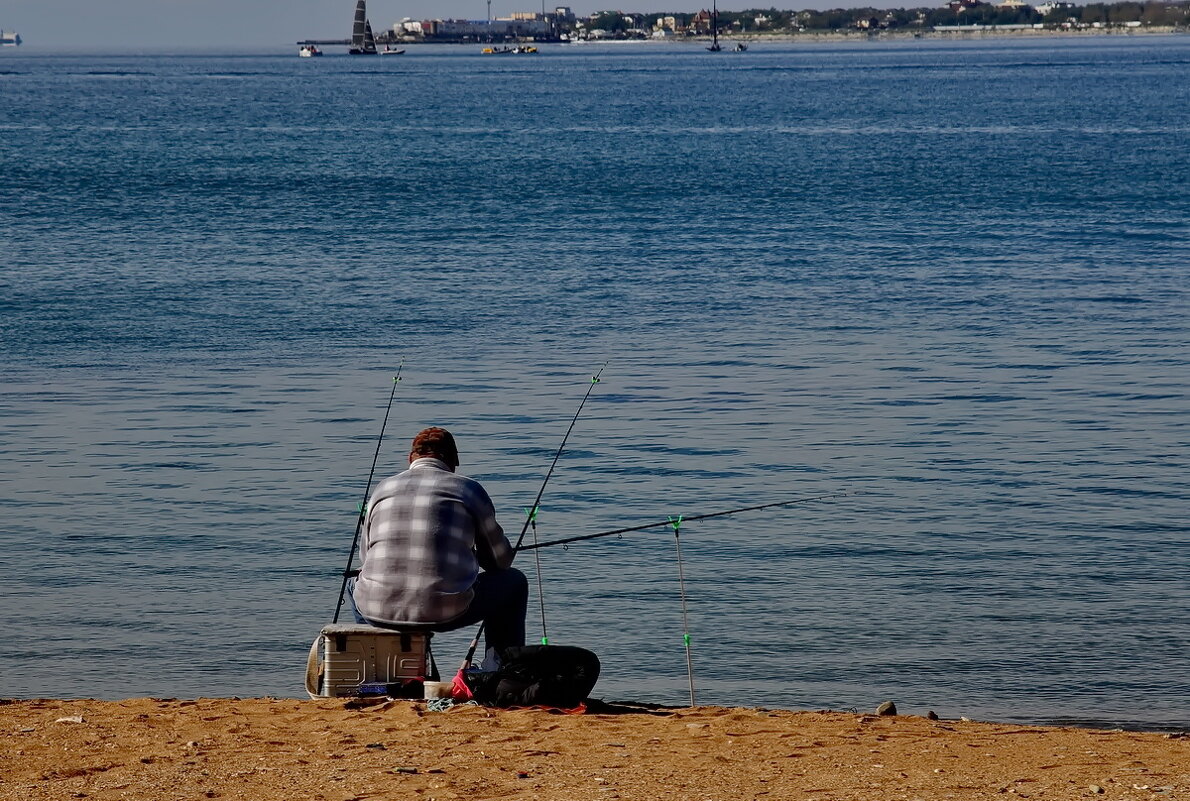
column 856, row 35
column 730, row 39
column 981, row 33
column 862, row 35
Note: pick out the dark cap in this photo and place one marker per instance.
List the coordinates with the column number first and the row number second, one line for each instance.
column 435, row 442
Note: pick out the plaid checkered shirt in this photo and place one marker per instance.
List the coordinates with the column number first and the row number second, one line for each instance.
column 427, row 533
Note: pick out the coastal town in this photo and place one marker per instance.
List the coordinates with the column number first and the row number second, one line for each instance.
column 563, row 25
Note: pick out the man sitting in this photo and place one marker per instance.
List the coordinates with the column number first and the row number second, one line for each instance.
column 427, row 534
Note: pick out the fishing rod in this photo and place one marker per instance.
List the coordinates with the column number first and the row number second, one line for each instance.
column 669, row 522
column 363, row 507
column 537, row 501
column 545, row 635
column 531, row 512
column 676, row 522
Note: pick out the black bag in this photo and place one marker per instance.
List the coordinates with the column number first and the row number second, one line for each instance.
column 536, row 675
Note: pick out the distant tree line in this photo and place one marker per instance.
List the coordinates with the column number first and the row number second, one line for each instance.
column 968, row 12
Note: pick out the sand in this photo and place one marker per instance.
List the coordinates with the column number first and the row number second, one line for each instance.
column 264, row 749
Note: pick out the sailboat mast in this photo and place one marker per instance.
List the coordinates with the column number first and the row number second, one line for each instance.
column 714, row 48
column 363, row 43
column 357, row 27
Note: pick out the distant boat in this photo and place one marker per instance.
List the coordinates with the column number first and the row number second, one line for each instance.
column 501, row 51
column 714, row 48
column 309, row 51
column 388, row 51
column 363, row 43
column 9, row 38
column 740, row 47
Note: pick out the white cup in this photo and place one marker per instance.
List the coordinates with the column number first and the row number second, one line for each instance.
column 437, row 689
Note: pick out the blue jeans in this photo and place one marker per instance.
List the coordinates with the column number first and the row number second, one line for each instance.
column 501, row 600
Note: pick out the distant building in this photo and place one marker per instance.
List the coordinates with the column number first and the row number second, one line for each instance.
column 667, row 23
column 482, row 30
column 1045, row 9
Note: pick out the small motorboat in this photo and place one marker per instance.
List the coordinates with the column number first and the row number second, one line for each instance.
column 502, row 51
column 388, row 51
column 309, row 51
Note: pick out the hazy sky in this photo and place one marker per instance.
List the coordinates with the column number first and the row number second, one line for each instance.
column 100, row 25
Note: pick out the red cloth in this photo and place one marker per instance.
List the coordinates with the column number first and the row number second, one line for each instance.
column 459, row 691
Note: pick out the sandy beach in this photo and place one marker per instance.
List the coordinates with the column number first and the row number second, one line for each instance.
column 334, row 749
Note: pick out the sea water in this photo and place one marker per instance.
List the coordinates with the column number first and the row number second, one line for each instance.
column 947, row 278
